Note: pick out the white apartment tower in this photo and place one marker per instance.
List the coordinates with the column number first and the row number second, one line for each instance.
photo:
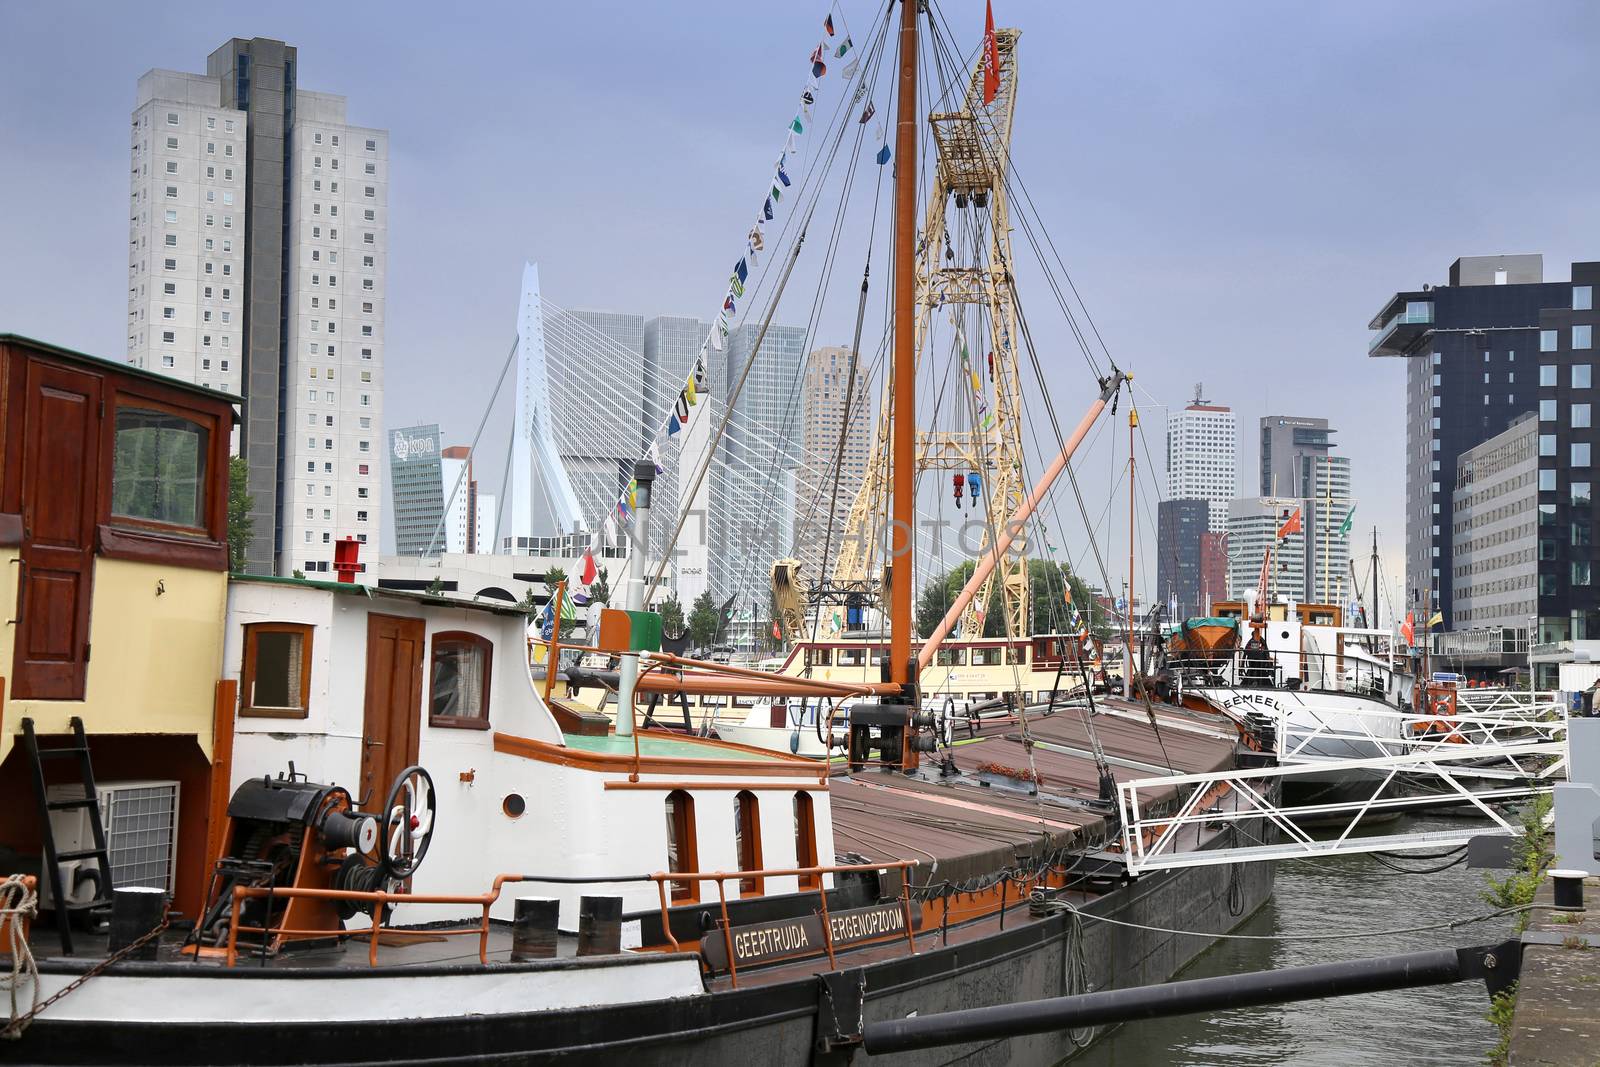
column 257, row 265
column 1202, row 457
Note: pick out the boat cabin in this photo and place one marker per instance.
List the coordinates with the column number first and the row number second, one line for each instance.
column 113, row 577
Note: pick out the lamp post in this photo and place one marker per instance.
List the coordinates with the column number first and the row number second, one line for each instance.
column 644, row 473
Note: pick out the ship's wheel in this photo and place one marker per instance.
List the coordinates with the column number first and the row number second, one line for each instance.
column 408, row 818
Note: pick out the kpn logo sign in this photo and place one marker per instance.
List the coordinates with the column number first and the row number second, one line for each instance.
column 413, row 444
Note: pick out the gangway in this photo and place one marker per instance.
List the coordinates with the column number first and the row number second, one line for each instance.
column 1424, row 777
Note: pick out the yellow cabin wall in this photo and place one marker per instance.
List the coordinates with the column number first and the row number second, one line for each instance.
column 155, row 655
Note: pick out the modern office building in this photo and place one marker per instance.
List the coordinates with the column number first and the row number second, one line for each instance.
column 1290, row 445
column 416, row 489
column 1569, row 602
column 1203, row 457
column 1472, row 355
column 1213, row 570
column 1253, row 525
column 1297, row 460
column 833, row 461
column 1494, row 534
column 469, row 516
column 1180, row 526
column 257, row 263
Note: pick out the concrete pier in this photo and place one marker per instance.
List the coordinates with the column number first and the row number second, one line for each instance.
column 1557, row 1018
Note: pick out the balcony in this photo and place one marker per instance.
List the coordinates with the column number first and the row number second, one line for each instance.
column 1401, row 329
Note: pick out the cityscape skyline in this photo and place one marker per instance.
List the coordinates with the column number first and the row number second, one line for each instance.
column 1242, row 224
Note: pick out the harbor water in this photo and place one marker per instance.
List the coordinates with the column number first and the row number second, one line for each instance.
column 1437, row 1025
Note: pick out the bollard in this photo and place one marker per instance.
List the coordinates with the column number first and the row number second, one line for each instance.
column 135, row 911
column 1569, row 889
column 600, row 926
column 533, row 929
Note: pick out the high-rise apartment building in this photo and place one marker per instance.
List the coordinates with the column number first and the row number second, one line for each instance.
column 1297, row 460
column 1253, row 525
column 1472, row 356
column 833, row 461
column 257, row 264
column 1203, row 457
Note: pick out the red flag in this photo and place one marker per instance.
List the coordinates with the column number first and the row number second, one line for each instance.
column 589, row 570
column 777, row 634
column 991, row 57
column 1291, row 525
column 1408, row 629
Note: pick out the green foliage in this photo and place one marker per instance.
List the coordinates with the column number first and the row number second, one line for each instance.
column 298, row 573
column 1532, row 856
column 704, row 621
column 241, row 525
column 435, row 588
column 600, row 588
column 554, row 575
column 672, row 620
column 530, row 606
column 1502, row 1009
column 1048, row 610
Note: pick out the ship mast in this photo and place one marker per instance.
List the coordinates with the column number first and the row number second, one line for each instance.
column 903, row 453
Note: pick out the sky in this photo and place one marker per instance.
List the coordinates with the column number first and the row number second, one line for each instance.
column 1236, row 187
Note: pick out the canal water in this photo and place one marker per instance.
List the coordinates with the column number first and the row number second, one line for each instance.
column 1437, row 1025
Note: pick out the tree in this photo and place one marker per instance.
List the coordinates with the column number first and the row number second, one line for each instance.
column 672, row 620
column 704, row 621
column 600, row 590
column 530, row 606
column 1048, row 609
column 241, row 524
column 554, row 575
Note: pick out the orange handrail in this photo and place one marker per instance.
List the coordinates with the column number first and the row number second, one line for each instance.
column 378, row 899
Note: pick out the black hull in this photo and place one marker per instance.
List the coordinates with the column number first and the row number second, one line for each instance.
column 769, row 1024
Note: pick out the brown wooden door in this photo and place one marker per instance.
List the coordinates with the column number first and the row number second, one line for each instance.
column 393, row 717
column 60, row 485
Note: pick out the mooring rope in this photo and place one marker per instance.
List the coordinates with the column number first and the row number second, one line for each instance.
column 18, row 902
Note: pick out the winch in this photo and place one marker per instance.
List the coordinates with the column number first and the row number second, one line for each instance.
column 289, row 832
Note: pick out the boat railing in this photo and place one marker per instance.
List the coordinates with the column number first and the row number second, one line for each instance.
column 377, row 901
column 1329, row 672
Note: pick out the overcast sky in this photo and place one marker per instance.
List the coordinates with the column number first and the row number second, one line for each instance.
column 1236, row 187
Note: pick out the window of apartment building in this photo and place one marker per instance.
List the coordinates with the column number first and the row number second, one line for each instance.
column 1583, row 298
column 205, row 341
column 172, row 166
column 168, row 313
column 372, row 168
column 227, row 124
column 227, row 294
column 209, row 266
column 369, row 192
column 1547, row 411
column 1582, row 338
column 172, row 118
column 316, row 138
column 172, row 192
column 1580, row 494
column 211, row 122
column 166, row 361
column 169, row 264
column 366, row 353
column 211, row 196
column 1547, row 481
column 362, row 492
column 227, row 198
column 1580, row 416
column 366, row 261
column 366, row 238
column 316, row 161
column 363, row 469
column 1580, row 454
column 1547, row 340
column 171, row 288
column 372, row 146
column 211, row 148
column 366, row 400
column 168, row 337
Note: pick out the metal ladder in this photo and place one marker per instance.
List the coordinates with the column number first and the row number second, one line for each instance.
column 90, row 800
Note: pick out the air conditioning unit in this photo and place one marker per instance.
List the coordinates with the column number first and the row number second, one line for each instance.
column 141, row 825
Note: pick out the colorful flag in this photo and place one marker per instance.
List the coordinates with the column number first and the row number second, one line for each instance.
column 727, row 306
column 1344, row 527
column 782, row 177
column 843, row 48
column 807, row 98
column 797, row 126
column 870, row 110
column 1291, row 525
column 590, row 571
column 777, row 634
column 741, row 271
column 1408, row 629
column 827, row 24
column 689, row 391
column 735, row 286
column 766, row 210
column 849, row 71
column 883, row 155
column 757, row 241
column 818, row 67
column 1436, row 620
column 991, row 57
column 673, row 425
column 777, row 193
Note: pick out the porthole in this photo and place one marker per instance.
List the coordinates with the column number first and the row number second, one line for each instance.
column 514, row 805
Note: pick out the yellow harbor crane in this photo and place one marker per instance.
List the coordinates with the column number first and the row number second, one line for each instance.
column 974, row 146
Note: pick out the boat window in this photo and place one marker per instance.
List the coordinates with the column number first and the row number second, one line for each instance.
column 879, row 655
column 805, row 840
column 459, row 694
column 158, row 468
column 275, row 678
column 747, row 840
column 819, row 657
column 986, row 657
column 1016, row 654
column 852, row 657
column 1047, row 650
column 744, row 702
column 950, row 657
column 681, row 855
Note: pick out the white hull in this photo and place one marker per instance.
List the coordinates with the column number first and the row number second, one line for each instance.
column 1319, row 727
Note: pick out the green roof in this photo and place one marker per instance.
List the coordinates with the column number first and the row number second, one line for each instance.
column 654, row 745
column 121, row 368
column 496, row 607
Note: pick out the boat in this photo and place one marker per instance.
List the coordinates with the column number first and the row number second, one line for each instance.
column 384, row 840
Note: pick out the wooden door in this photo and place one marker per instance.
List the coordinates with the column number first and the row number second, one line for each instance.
column 60, row 485
column 393, row 717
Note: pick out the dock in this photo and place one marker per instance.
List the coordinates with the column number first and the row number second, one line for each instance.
column 1557, row 1017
